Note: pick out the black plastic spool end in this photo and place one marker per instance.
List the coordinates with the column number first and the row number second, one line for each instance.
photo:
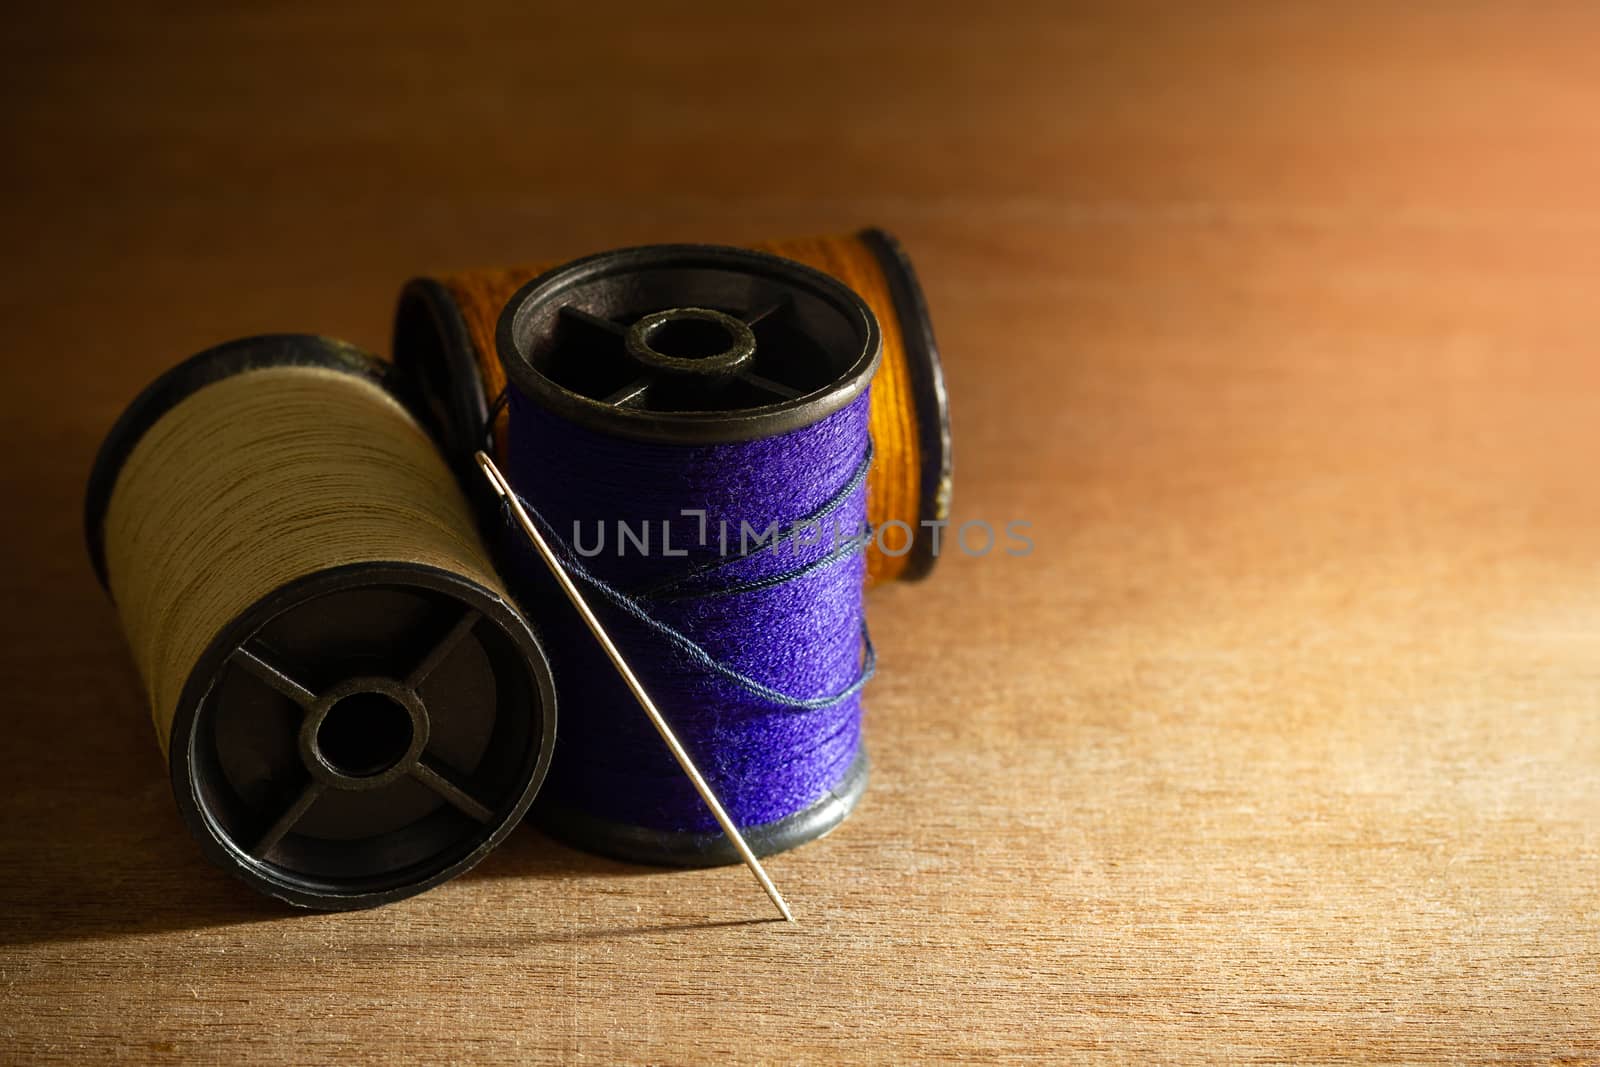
column 437, row 374
column 780, row 345
column 928, row 396
column 637, row 844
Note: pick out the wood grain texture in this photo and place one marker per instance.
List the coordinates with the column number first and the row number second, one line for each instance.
column 1279, row 322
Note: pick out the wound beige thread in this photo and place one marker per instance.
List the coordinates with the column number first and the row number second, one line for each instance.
column 260, row 479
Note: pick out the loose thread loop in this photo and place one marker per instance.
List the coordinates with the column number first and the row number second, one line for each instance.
column 833, row 503
column 632, row 606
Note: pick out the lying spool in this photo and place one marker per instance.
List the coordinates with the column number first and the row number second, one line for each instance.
column 648, row 384
column 444, row 338
column 352, row 710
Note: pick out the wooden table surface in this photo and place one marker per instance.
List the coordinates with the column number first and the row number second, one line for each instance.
column 1279, row 323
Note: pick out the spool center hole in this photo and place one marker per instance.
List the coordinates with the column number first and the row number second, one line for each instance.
column 690, row 338
column 364, row 734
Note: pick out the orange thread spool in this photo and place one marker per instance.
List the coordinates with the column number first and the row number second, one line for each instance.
column 445, row 339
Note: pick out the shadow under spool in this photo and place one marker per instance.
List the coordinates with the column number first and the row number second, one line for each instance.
column 419, row 771
column 444, row 340
column 671, row 320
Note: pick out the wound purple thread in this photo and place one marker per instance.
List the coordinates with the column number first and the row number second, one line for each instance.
column 802, row 636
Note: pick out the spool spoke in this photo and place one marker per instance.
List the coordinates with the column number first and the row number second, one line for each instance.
column 781, row 304
column 579, row 315
column 767, row 385
column 285, row 822
column 275, row 677
column 441, row 651
column 630, row 395
column 434, row 777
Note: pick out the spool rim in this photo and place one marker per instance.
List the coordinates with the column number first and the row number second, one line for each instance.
column 456, row 409
column 223, row 847
column 847, row 380
column 668, row 848
column 929, row 397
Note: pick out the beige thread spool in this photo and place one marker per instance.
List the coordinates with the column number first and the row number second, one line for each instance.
column 351, row 707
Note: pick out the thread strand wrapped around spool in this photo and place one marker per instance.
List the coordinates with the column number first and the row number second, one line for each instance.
column 682, row 398
column 444, row 337
column 351, row 707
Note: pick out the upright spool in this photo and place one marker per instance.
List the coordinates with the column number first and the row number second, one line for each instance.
column 352, row 709
column 719, row 376
column 444, row 337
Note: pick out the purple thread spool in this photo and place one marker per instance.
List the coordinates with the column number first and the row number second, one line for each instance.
column 670, row 399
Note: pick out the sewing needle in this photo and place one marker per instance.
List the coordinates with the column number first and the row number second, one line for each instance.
column 503, row 488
